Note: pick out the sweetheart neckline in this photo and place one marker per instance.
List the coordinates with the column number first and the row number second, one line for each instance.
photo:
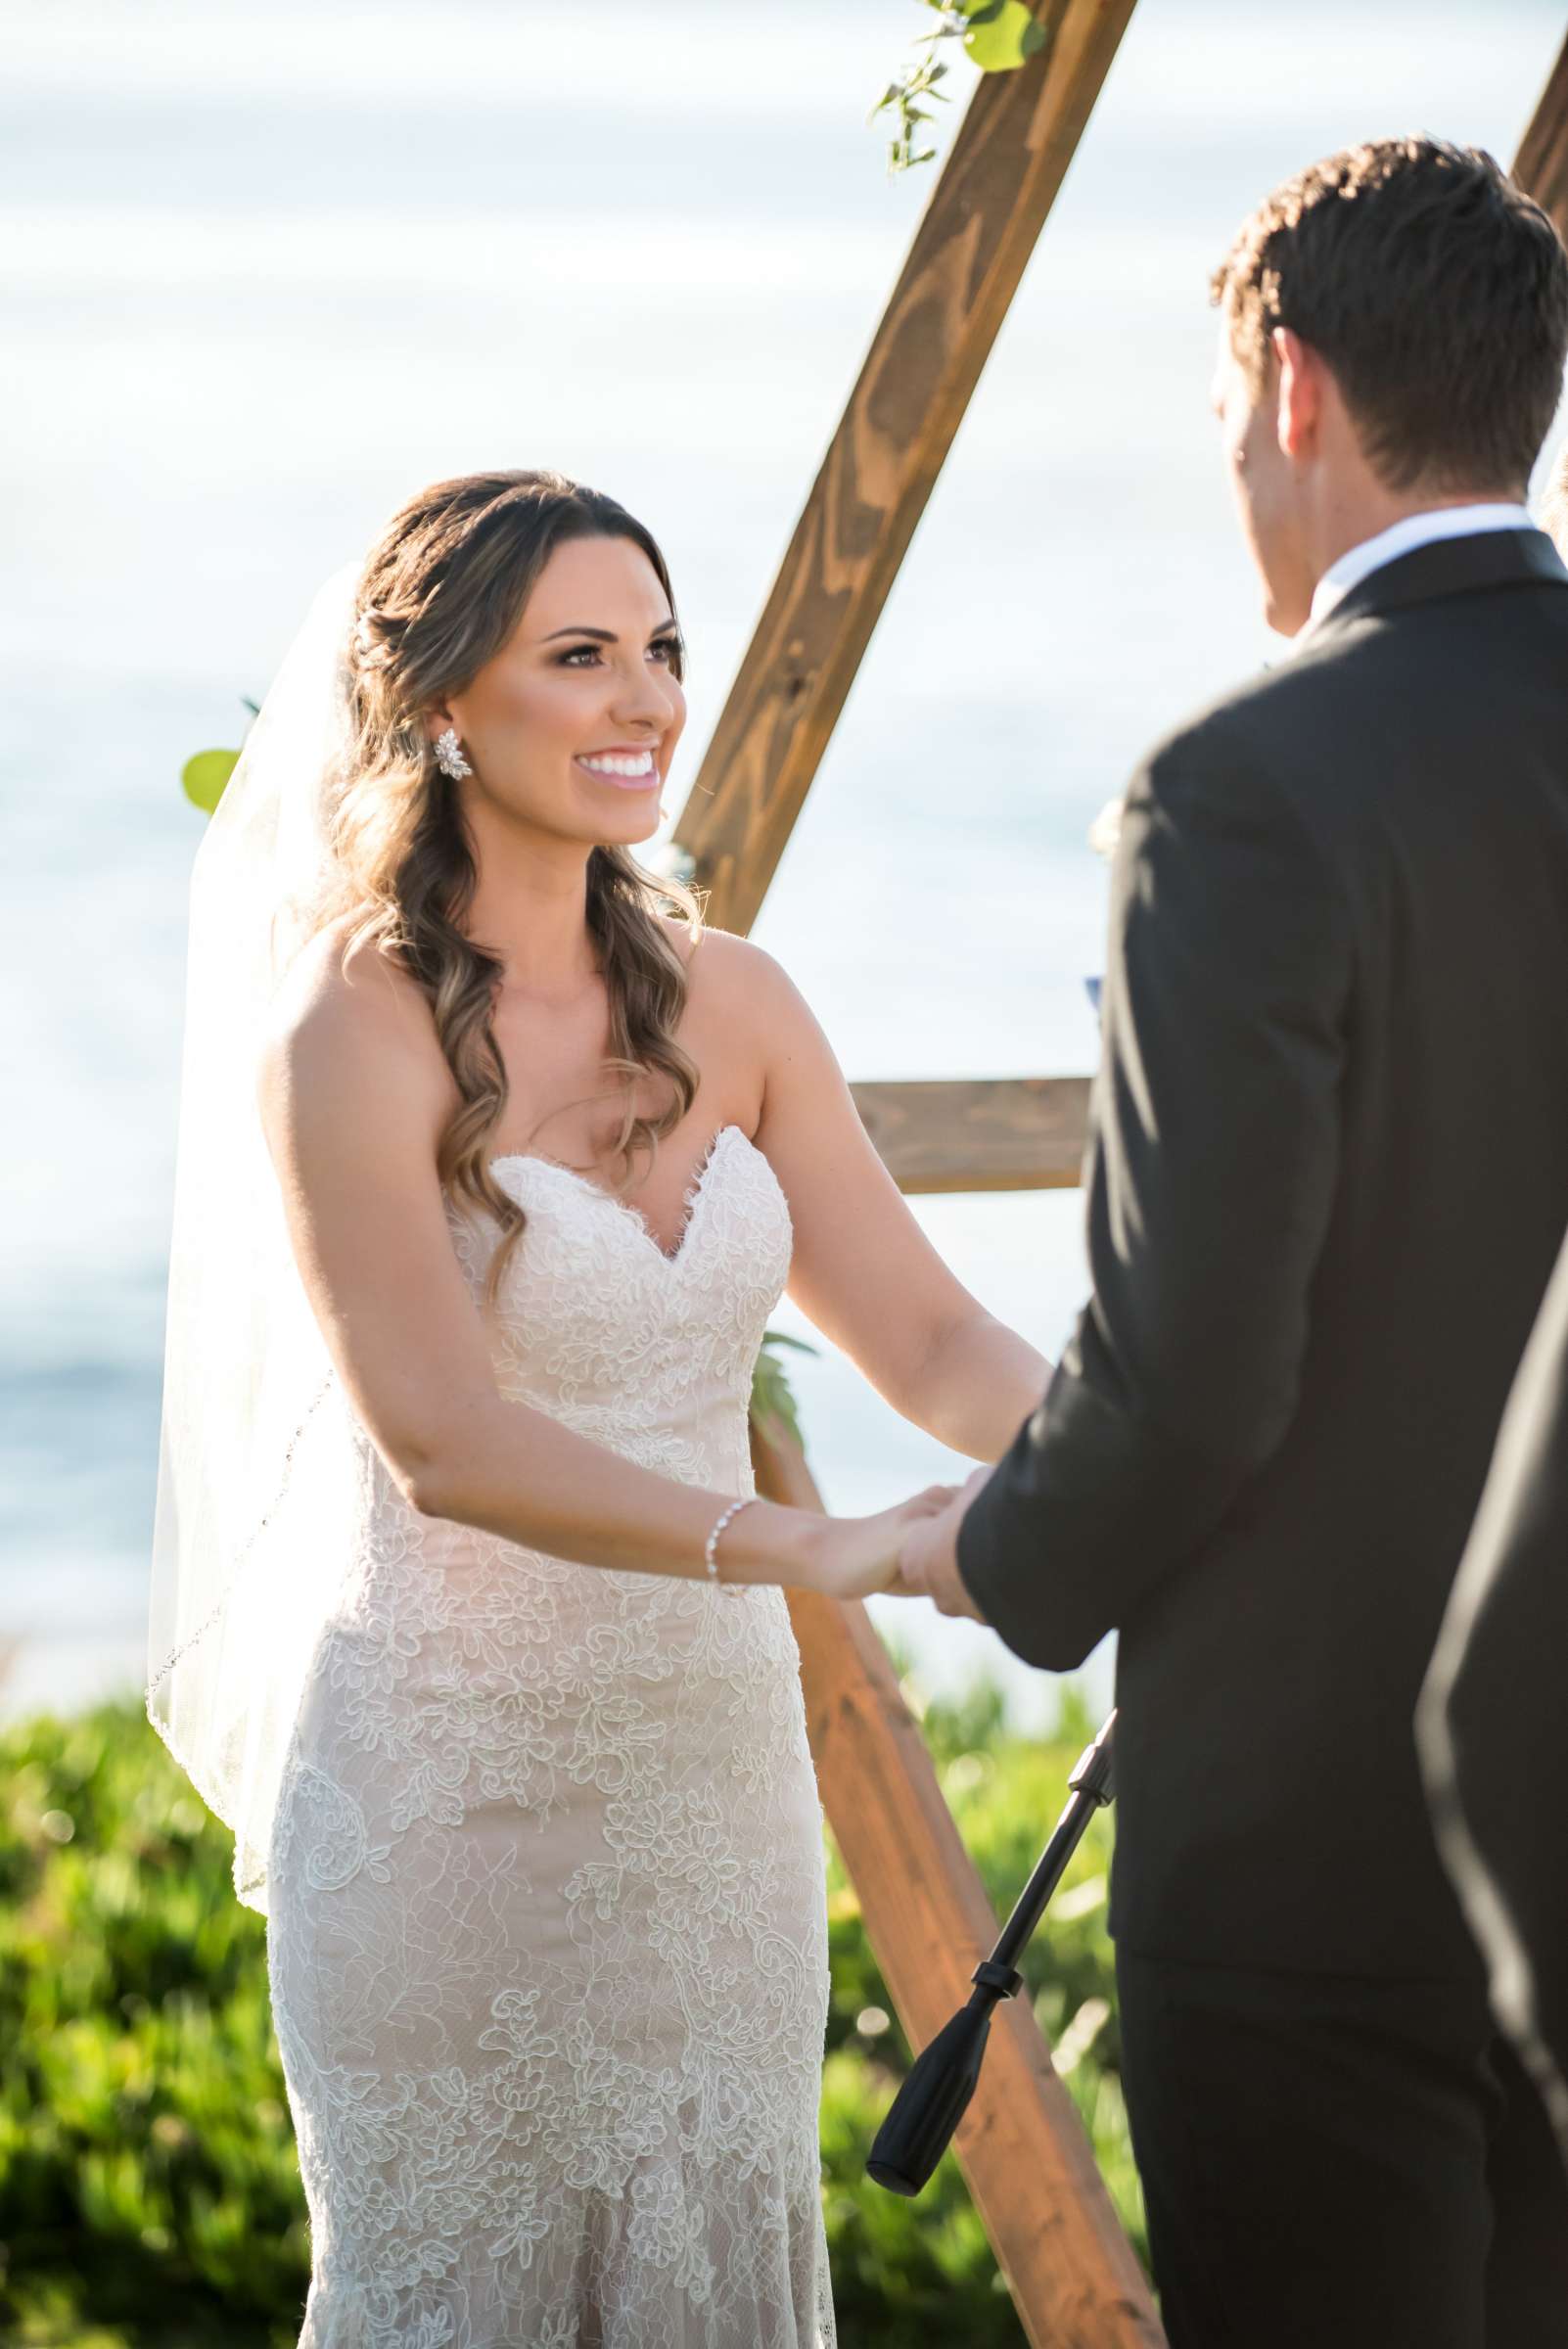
column 696, row 1189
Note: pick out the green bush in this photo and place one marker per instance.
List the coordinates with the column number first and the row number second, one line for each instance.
column 149, row 2192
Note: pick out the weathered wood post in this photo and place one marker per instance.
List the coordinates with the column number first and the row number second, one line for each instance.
column 1541, row 162
column 1029, row 2167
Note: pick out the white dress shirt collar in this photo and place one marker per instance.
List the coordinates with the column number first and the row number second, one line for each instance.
column 1403, row 538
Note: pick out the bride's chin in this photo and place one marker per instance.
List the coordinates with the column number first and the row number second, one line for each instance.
column 635, row 834
column 625, row 827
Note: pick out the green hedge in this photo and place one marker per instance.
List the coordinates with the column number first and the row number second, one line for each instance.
column 148, row 2193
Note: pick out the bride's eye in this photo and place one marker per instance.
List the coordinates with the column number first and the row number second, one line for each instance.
column 668, row 648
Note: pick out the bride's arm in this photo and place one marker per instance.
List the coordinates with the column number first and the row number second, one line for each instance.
column 865, row 1272
column 353, row 1093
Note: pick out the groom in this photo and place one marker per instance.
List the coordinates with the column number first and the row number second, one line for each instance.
column 1327, row 1183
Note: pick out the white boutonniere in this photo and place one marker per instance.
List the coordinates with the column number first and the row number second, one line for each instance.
column 1106, row 829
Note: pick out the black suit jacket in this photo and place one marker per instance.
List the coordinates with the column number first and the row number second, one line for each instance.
column 1493, row 1715
column 1326, row 1181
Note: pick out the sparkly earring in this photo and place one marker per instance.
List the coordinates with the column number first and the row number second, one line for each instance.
column 449, row 757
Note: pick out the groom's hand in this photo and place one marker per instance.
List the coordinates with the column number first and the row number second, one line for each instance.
column 928, row 1562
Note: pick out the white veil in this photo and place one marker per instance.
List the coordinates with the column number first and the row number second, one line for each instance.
column 255, row 1470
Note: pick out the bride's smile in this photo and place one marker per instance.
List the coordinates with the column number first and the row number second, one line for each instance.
column 628, row 771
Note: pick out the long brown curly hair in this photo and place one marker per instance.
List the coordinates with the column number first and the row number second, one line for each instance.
column 440, row 593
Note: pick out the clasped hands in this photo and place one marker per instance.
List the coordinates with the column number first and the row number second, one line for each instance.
column 910, row 1551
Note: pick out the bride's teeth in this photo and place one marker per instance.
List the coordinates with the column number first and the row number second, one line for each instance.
column 641, row 764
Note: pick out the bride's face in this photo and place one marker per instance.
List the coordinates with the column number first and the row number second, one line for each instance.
column 571, row 726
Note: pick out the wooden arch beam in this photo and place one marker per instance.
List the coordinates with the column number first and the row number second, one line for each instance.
column 969, row 252
column 1541, row 162
column 982, row 1133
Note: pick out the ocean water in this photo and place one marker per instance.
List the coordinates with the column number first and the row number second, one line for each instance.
column 265, row 271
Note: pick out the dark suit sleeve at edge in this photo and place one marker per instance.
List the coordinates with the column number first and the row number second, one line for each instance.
column 1491, row 1724
column 1213, row 1152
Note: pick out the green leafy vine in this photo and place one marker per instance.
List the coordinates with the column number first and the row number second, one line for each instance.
column 773, row 1404
column 998, row 35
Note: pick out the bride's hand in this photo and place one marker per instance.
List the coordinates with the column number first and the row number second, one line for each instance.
column 859, row 1556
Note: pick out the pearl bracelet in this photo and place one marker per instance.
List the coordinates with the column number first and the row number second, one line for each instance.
column 711, row 1552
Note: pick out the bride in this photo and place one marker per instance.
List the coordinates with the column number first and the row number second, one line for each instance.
column 492, row 1165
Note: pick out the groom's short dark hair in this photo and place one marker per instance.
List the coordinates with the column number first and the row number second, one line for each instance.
column 1435, row 289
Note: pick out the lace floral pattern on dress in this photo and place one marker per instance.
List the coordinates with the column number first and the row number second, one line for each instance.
column 547, row 1939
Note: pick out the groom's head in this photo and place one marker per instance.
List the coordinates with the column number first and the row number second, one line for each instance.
column 1394, row 325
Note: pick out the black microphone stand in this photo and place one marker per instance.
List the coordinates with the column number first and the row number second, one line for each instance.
column 931, row 2103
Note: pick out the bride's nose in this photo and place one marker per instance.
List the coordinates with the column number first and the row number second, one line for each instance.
column 643, row 698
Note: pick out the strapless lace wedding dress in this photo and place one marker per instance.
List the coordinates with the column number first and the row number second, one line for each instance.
column 546, row 1938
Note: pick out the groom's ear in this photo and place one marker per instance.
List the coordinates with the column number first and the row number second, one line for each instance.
column 1299, row 398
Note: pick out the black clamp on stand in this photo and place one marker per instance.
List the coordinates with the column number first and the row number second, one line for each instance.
column 932, row 2102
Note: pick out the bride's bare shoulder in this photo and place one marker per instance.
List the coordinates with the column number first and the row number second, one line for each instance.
column 716, row 960
column 346, row 1015
column 338, row 983
column 739, row 983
